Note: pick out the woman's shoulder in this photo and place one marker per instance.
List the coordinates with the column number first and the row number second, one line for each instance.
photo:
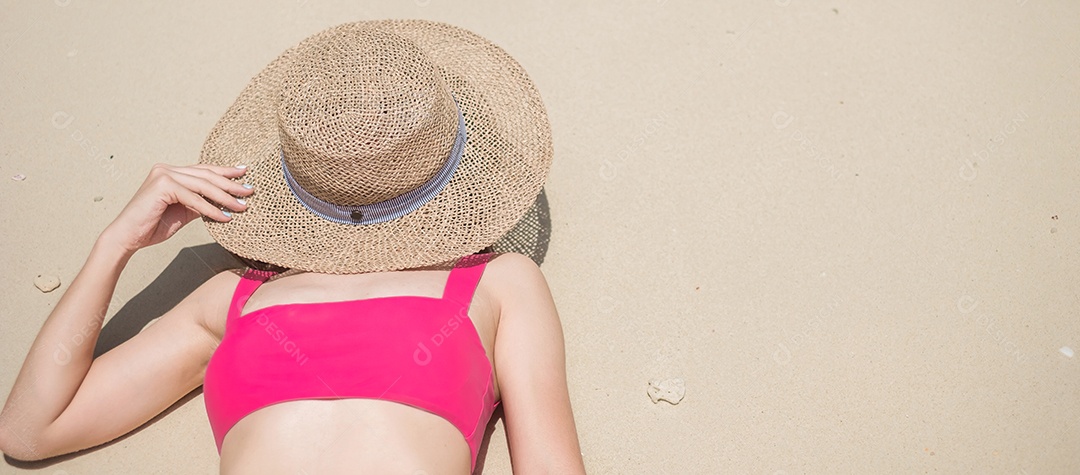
column 511, row 274
column 214, row 296
column 511, row 264
column 222, row 282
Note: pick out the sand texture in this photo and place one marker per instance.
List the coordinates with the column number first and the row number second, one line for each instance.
column 852, row 229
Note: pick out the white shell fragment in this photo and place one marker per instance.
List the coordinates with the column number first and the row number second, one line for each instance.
column 1066, row 351
column 19, row 177
column 670, row 390
column 46, row 283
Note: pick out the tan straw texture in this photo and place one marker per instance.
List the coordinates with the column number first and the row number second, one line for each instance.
column 365, row 112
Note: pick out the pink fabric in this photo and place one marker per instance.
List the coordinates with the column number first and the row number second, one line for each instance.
column 420, row 351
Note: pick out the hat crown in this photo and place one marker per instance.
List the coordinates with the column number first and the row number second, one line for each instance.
column 364, row 116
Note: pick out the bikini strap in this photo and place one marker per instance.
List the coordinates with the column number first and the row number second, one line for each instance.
column 466, row 273
column 250, row 281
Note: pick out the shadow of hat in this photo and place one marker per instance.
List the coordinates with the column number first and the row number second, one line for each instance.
column 531, row 235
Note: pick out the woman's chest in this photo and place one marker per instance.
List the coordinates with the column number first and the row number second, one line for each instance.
column 409, row 307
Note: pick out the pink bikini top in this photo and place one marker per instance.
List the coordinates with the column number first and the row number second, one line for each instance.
column 420, row 351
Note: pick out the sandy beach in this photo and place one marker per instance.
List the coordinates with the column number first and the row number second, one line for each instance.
column 852, row 230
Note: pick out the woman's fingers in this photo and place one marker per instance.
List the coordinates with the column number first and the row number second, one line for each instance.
column 211, row 190
column 219, row 176
column 171, row 197
column 195, row 201
column 228, row 172
column 213, row 183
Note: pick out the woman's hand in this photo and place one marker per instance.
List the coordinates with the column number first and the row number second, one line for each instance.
column 57, row 403
column 171, row 197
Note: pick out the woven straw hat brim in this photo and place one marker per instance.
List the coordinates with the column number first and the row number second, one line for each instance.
column 505, row 163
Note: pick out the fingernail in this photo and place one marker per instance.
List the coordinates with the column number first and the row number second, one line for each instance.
column 248, row 186
column 241, row 166
column 226, row 213
column 238, row 200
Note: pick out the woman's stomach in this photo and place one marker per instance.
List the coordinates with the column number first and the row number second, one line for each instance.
column 329, row 436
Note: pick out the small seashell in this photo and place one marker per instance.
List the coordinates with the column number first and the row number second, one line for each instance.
column 670, row 390
column 19, row 177
column 46, row 283
column 1066, row 351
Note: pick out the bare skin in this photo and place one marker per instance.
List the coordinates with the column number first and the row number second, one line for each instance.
column 62, row 402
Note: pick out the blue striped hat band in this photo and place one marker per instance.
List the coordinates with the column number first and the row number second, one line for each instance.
column 390, row 209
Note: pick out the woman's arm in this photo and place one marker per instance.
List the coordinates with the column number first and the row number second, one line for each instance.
column 55, row 367
column 531, row 367
column 65, row 400
column 48, row 415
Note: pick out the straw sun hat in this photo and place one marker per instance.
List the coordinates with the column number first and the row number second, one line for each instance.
column 382, row 145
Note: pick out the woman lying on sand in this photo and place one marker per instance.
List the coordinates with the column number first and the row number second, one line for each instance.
column 372, row 161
